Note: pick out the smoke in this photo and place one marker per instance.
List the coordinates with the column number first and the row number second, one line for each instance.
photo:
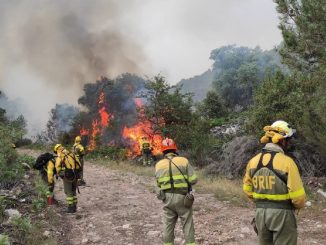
column 50, row 49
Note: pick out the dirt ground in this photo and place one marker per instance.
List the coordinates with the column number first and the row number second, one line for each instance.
column 121, row 209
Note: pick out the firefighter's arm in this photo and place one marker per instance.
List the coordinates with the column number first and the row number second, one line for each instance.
column 81, row 150
column 295, row 186
column 247, row 182
column 192, row 177
column 50, row 172
column 157, row 176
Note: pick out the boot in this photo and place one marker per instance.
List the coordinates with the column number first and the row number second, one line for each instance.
column 50, row 200
column 71, row 209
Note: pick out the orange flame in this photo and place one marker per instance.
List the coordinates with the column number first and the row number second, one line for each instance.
column 135, row 133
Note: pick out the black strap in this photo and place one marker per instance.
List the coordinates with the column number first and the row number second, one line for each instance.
column 186, row 179
column 170, row 173
column 269, row 165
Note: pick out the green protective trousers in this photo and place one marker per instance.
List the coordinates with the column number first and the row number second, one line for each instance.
column 276, row 226
column 70, row 188
column 174, row 208
column 146, row 155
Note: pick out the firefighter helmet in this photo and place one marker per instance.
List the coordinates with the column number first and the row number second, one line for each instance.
column 78, row 139
column 56, row 147
column 168, row 144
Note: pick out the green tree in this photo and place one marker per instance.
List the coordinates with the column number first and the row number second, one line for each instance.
column 166, row 106
column 240, row 71
column 212, row 106
column 303, row 26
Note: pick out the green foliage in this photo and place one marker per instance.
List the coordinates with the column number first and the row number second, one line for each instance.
column 279, row 97
column 166, row 106
column 212, row 106
column 22, row 228
column 303, row 27
column 239, row 73
column 4, row 240
column 26, row 159
column 5, row 203
column 108, row 152
column 41, row 188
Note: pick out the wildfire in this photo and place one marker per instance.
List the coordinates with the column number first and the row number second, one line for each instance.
column 135, row 133
column 98, row 125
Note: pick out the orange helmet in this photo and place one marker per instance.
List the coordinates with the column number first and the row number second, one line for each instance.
column 168, row 144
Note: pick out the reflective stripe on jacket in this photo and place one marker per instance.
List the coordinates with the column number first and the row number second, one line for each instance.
column 163, row 176
column 265, row 185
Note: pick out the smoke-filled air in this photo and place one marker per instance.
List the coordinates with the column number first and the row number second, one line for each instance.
column 49, row 49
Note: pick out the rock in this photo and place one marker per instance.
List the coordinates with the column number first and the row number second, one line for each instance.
column 324, row 210
column 84, row 241
column 10, row 213
column 149, row 225
column 26, row 176
column 245, row 229
column 308, row 204
column 126, row 226
column 153, row 233
column 322, row 193
column 96, row 239
column 46, row 233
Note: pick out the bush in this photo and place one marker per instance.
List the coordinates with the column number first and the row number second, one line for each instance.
column 108, row 152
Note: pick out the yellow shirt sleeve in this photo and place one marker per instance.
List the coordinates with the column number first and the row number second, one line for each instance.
column 247, row 182
column 295, row 186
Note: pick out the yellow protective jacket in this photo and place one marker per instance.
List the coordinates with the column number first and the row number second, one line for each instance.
column 78, row 150
column 162, row 173
column 67, row 160
column 145, row 144
column 276, row 182
column 50, row 169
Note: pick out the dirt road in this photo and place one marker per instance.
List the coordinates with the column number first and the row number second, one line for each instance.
column 120, row 209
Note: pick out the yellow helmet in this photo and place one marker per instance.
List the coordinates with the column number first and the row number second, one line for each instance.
column 78, row 139
column 56, row 147
column 277, row 131
column 283, row 128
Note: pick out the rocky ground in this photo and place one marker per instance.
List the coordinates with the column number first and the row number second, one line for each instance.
column 121, row 208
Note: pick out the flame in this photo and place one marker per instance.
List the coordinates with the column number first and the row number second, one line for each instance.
column 98, row 124
column 136, row 132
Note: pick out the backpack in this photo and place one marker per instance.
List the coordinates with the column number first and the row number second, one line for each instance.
column 42, row 160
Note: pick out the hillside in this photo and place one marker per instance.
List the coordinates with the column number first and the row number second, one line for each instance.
column 198, row 85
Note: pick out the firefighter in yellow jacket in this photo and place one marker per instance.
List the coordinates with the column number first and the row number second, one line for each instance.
column 273, row 181
column 175, row 176
column 146, row 150
column 79, row 151
column 50, row 171
column 67, row 166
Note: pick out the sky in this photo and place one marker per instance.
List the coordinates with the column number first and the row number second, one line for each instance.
column 50, row 49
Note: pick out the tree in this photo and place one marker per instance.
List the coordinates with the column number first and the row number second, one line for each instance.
column 240, row 71
column 303, row 26
column 166, row 106
column 212, row 106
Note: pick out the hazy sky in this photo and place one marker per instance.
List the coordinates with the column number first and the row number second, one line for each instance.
column 49, row 49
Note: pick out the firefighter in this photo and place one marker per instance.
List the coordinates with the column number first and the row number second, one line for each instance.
column 146, row 150
column 273, row 181
column 175, row 176
column 67, row 167
column 79, row 151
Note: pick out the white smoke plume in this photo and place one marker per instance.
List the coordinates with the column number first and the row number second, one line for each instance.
column 49, row 49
